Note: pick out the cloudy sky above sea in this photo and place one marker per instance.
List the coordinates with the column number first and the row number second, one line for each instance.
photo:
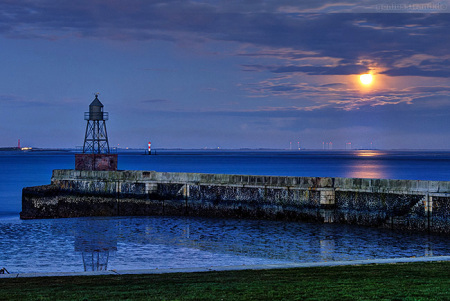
column 227, row 73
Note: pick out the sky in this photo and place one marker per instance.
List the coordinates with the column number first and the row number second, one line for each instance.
column 227, row 73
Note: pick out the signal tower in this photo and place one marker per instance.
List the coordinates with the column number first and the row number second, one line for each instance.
column 96, row 154
column 96, row 137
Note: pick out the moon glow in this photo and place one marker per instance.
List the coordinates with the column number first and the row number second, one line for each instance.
column 366, row 79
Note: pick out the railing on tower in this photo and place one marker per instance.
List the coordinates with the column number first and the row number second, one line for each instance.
column 96, row 116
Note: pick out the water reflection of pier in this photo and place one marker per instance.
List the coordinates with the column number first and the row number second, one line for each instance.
column 95, row 239
column 279, row 240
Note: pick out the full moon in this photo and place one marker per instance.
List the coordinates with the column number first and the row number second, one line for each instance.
column 366, row 79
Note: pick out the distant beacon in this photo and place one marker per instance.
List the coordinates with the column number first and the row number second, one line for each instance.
column 96, row 154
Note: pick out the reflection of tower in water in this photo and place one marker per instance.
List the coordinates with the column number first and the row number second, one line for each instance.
column 95, row 254
column 95, row 240
column 327, row 249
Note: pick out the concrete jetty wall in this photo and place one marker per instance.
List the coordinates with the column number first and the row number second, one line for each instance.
column 396, row 204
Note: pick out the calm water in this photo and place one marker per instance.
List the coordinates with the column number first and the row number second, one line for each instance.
column 164, row 242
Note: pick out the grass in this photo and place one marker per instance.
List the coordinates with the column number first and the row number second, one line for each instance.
column 412, row 281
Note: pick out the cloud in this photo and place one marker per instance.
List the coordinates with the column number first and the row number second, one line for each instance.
column 16, row 100
column 318, row 70
column 264, row 23
column 280, row 53
column 384, row 38
column 280, row 37
column 342, row 96
column 253, row 68
column 431, row 89
column 311, row 70
column 416, row 71
column 440, row 102
column 333, row 85
column 340, row 36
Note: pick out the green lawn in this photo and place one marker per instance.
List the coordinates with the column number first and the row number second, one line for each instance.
column 412, row 281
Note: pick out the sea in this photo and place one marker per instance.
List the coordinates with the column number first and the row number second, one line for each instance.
column 156, row 242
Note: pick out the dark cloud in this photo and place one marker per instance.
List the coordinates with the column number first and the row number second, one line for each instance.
column 439, row 102
column 433, row 89
column 416, row 71
column 311, row 70
column 15, row 100
column 385, row 37
column 435, row 63
column 276, row 29
column 283, row 88
column 8, row 98
column 253, row 68
column 333, row 85
column 319, row 70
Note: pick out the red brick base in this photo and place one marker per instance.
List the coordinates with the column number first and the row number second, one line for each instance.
column 95, row 161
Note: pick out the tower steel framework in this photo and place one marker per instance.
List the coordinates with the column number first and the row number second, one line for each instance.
column 96, row 137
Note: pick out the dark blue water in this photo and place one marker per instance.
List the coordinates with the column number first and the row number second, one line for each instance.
column 412, row 165
column 124, row 243
column 165, row 242
column 23, row 169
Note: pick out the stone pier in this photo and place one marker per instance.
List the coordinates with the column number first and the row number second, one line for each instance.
column 395, row 204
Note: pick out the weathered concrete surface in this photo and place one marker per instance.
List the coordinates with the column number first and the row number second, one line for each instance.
column 397, row 204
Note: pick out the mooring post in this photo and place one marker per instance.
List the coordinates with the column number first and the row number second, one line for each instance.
column 327, row 204
column 327, row 197
column 429, row 210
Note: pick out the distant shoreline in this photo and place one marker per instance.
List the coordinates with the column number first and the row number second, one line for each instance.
column 9, row 149
column 115, row 150
column 16, row 149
